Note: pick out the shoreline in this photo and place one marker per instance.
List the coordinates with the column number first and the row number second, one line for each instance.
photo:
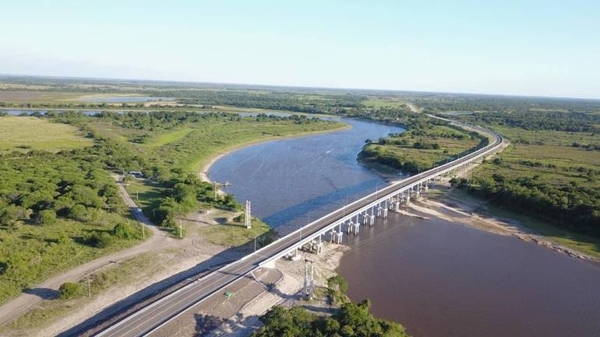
column 467, row 213
column 206, row 165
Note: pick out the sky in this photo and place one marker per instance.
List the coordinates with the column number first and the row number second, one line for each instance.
column 527, row 47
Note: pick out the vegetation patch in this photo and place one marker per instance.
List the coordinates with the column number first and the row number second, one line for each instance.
column 30, row 133
column 235, row 233
column 81, row 293
column 56, row 212
column 421, row 148
column 350, row 319
column 550, row 172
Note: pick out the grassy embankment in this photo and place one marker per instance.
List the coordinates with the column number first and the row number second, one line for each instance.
column 52, row 206
column 549, row 159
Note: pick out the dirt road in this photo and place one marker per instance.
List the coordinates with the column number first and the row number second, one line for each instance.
column 24, row 302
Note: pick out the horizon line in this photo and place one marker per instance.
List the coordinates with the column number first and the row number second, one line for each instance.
column 4, row 75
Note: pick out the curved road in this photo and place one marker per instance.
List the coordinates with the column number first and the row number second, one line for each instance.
column 154, row 315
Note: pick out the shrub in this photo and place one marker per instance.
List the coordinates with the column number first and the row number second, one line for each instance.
column 124, row 231
column 70, row 290
column 47, row 217
column 100, row 240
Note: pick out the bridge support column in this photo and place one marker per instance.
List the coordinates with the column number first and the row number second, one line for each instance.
column 385, row 213
column 397, row 205
column 356, row 228
column 372, row 220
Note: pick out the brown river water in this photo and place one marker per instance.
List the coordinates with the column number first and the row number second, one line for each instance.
column 435, row 277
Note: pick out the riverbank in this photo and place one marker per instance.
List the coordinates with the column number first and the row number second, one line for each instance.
column 205, row 166
column 458, row 207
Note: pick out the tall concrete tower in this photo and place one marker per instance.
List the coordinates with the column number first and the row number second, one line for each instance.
column 248, row 215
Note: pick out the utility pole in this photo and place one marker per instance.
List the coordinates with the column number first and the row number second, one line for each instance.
column 143, row 231
column 180, row 230
column 89, row 284
column 248, row 215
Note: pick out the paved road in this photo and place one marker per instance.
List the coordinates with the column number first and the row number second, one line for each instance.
column 148, row 318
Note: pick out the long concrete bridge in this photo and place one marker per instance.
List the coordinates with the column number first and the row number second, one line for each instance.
column 349, row 218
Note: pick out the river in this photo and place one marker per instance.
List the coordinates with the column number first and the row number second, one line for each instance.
column 436, row 278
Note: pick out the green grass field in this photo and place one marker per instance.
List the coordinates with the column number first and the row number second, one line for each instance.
column 169, row 137
column 233, row 234
column 17, row 94
column 25, row 133
column 379, row 102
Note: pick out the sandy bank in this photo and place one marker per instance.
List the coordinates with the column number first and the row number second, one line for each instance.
column 470, row 212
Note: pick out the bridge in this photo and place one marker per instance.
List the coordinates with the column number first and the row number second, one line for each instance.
column 350, row 217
